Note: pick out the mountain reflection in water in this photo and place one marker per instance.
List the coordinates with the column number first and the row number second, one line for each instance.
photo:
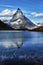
column 30, row 51
column 26, row 38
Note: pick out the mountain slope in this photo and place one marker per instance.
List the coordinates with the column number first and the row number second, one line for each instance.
column 38, row 28
column 4, row 26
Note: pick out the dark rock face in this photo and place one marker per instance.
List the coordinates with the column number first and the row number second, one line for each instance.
column 4, row 26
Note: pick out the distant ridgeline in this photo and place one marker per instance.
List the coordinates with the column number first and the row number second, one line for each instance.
column 19, row 22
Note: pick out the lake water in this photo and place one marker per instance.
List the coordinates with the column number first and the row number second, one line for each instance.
column 22, row 38
column 21, row 47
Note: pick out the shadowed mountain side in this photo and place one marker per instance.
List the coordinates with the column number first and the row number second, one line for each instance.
column 38, row 28
column 4, row 26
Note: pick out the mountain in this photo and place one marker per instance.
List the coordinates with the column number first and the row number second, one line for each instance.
column 19, row 21
column 38, row 28
column 4, row 26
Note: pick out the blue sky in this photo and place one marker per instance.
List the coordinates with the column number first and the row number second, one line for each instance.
column 33, row 9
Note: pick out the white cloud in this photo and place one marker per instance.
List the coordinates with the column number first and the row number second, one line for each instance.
column 36, row 14
column 9, row 6
column 7, row 12
column 5, row 18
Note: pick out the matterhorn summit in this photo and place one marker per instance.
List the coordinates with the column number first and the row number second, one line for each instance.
column 19, row 21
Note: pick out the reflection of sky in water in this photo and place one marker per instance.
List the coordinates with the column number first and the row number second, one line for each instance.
column 13, row 37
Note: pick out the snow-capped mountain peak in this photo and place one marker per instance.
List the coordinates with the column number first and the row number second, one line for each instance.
column 19, row 21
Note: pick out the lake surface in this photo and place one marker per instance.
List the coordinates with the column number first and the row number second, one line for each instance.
column 24, row 38
column 30, row 51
